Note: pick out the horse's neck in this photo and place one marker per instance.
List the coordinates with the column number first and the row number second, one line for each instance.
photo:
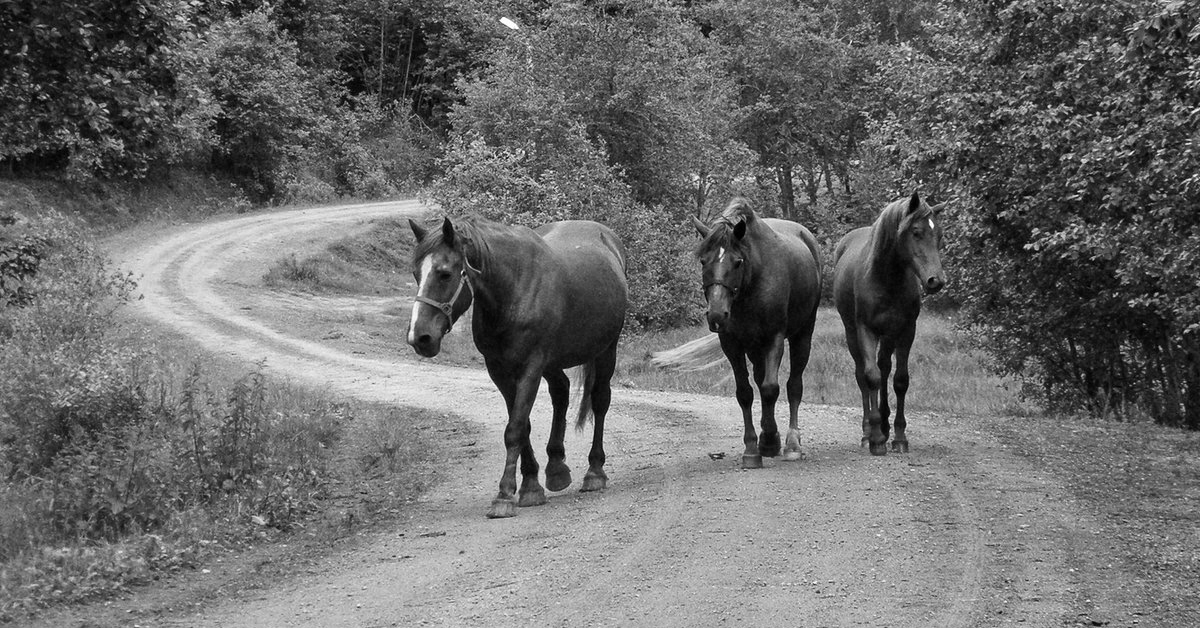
column 883, row 260
column 504, row 258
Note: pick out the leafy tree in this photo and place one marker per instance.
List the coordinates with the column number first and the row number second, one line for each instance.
column 796, row 71
column 87, row 85
column 613, row 112
column 1070, row 132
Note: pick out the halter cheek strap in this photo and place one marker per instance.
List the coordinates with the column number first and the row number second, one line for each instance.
column 447, row 308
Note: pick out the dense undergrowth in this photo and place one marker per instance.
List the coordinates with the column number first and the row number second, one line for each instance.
column 125, row 455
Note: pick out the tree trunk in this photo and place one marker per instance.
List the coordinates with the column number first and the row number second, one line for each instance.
column 787, row 191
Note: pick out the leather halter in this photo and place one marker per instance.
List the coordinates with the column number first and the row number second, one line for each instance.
column 447, row 308
column 732, row 290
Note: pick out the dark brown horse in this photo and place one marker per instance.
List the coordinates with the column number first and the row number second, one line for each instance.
column 545, row 300
column 879, row 274
column 762, row 281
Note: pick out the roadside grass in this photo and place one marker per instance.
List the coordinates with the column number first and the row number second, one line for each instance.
column 316, row 468
column 947, row 375
column 128, row 455
column 373, row 262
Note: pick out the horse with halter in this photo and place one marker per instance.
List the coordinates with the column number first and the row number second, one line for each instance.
column 545, row 300
column 762, row 281
column 880, row 272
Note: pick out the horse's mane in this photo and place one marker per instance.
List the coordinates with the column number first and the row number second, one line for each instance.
column 721, row 231
column 892, row 221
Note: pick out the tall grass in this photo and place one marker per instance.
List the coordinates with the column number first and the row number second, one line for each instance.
column 123, row 456
column 947, row 374
column 373, row 262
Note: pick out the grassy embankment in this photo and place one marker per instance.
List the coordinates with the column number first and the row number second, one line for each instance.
column 128, row 454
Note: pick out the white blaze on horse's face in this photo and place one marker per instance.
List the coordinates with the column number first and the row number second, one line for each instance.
column 721, row 255
column 931, row 227
column 422, row 282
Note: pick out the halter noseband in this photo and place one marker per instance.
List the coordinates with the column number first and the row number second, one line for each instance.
column 732, row 290
column 447, row 308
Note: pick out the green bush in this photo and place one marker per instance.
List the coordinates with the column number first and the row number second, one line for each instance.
column 1071, row 129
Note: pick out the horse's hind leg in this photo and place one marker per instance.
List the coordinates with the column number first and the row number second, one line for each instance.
column 860, row 377
column 558, row 474
column 605, row 365
column 801, row 348
column 873, row 424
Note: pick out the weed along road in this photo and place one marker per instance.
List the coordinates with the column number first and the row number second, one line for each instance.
column 959, row 532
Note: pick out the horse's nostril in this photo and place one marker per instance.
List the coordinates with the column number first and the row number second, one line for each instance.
column 933, row 284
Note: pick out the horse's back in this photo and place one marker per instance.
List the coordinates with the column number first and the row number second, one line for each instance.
column 590, row 261
column 580, row 241
column 804, row 264
column 798, row 231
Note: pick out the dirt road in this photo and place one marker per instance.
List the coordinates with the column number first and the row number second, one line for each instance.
column 959, row 532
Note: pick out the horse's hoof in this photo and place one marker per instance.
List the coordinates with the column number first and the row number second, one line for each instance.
column 594, row 481
column 791, row 454
column 879, row 449
column 751, row 461
column 532, row 497
column 502, row 509
column 558, row 476
column 900, row 446
column 769, row 445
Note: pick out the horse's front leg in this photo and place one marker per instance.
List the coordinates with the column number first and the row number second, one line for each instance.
column 558, row 474
column 766, row 377
column 900, row 383
column 519, row 394
column 887, row 347
column 870, row 383
column 751, row 458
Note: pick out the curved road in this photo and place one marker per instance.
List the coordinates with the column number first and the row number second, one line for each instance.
column 958, row 533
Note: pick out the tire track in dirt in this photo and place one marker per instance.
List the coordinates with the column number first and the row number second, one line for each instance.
column 840, row 538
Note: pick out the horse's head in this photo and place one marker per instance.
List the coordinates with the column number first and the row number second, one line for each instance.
column 724, row 270
column 919, row 239
column 441, row 268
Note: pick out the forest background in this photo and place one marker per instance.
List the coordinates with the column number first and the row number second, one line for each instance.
column 1063, row 138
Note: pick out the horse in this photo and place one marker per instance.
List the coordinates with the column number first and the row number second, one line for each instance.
column 879, row 274
column 762, row 281
column 545, row 300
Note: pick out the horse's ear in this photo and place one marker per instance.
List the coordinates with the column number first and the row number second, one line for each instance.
column 701, row 228
column 447, row 231
column 418, row 231
column 937, row 209
column 914, row 203
column 739, row 230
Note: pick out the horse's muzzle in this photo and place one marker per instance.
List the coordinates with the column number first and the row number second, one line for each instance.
column 426, row 345
column 718, row 322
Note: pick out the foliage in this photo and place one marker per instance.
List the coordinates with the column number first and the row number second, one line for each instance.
column 86, row 85
column 618, row 116
column 1070, row 132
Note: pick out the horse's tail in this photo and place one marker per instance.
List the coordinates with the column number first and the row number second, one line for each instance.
column 697, row 355
column 584, row 384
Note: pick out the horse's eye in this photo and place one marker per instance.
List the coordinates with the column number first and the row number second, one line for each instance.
column 443, row 275
column 737, row 263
